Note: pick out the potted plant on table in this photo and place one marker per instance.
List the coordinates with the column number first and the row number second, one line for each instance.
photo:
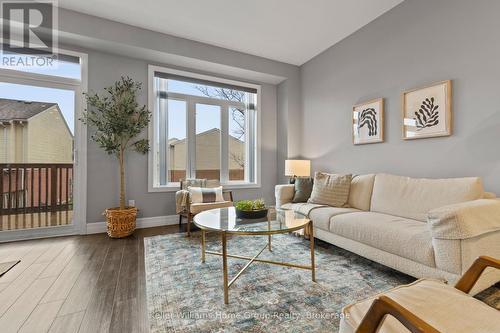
column 251, row 209
column 116, row 119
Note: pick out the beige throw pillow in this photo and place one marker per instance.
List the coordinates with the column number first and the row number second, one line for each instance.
column 205, row 194
column 330, row 189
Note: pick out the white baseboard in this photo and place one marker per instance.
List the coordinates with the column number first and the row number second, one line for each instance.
column 144, row 222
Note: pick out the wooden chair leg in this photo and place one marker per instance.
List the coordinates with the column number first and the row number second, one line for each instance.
column 189, row 225
column 180, row 219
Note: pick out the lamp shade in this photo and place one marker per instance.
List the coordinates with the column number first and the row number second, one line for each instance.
column 299, row 168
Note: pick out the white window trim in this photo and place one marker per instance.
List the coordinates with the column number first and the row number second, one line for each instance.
column 80, row 86
column 151, row 104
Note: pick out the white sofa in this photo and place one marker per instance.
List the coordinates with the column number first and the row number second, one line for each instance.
column 432, row 228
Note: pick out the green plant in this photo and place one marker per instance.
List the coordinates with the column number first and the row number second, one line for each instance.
column 116, row 120
column 248, row 205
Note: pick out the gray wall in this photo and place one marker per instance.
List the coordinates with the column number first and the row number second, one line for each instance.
column 416, row 43
column 106, row 42
column 103, row 181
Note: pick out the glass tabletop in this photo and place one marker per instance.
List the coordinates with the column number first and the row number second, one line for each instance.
column 225, row 219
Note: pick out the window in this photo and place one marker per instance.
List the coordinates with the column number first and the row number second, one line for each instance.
column 202, row 127
column 64, row 65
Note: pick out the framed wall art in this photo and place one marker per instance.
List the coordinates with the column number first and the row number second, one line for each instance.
column 368, row 122
column 427, row 111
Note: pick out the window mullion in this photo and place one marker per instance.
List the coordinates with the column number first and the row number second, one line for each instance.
column 191, row 140
column 162, row 149
column 248, row 145
column 251, row 166
column 224, row 145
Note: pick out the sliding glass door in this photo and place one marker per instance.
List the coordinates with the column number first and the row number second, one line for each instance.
column 41, row 178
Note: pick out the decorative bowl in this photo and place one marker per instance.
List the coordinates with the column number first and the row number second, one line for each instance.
column 251, row 214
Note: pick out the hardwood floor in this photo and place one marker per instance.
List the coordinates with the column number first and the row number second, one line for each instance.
column 76, row 284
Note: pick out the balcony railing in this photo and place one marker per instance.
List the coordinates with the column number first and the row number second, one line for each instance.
column 35, row 187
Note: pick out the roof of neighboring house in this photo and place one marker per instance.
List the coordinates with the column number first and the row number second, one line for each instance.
column 12, row 109
column 175, row 141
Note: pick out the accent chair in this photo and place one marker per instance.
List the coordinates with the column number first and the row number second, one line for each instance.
column 426, row 306
column 188, row 210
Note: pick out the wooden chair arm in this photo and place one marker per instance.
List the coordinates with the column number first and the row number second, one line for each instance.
column 470, row 277
column 230, row 194
column 383, row 306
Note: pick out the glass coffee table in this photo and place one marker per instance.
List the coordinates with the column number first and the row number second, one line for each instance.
column 225, row 222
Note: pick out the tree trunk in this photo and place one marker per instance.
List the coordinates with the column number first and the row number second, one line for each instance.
column 121, row 158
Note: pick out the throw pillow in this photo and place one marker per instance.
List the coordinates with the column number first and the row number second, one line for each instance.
column 205, row 194
column 303, row 189
column 330, row 189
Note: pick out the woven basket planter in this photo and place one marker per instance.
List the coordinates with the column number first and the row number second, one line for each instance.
column 121, row 222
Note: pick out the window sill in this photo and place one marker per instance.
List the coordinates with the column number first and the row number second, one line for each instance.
column 227, row 186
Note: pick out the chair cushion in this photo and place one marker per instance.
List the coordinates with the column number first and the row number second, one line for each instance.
column 414, row 197
column 196, row 208
column 441, row 306
column 403, row 237
column 330, row 189
column 360, row 194
column 205, row 195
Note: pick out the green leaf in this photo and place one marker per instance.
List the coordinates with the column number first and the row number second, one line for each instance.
column 115, row 117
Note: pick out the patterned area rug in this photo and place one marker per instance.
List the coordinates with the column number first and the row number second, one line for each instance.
column 185, row 295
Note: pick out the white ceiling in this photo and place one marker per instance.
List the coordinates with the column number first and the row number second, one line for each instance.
column 291, row 31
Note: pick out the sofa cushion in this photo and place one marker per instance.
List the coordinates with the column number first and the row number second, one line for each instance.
column 400, row 236
column 303, row 208
column 330, row 189
column 441, row 306
column 321, row 216
column 360, row 195
column 414, row 197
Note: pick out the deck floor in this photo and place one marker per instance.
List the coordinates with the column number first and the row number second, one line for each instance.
column 35, row 220
column 76, row 284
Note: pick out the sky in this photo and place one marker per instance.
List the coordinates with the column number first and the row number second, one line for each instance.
column 207, row 116
column 64, row 98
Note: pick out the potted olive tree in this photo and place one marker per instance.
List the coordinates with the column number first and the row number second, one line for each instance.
column 116, row 119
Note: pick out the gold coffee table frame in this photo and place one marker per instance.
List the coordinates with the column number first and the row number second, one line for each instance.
column 303, row 224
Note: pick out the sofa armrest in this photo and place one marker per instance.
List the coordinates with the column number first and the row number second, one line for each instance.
column 284, row 194
column 465, row 220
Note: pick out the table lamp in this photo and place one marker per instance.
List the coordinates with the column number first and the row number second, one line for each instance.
column 297, row 168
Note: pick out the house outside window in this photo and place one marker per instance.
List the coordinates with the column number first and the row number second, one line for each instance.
column 202, row 127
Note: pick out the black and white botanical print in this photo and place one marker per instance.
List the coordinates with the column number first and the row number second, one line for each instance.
column 427, row 115
column 368, row 117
